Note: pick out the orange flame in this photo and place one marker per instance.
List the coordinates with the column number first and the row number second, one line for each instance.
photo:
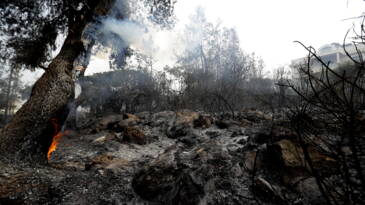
column 56, row 137
column 54, row 144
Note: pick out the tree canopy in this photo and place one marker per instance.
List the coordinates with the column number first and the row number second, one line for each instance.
column 30, row 27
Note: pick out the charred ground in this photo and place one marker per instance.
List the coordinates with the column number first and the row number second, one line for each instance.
column 172, row 158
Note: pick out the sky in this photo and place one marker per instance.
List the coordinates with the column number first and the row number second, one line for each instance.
column 266, row 27
column 269, row 28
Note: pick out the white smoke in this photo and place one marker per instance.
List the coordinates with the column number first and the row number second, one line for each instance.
column 133, row 34
column 143, row 37
column 140, row 34
column 129, row 31
column 77, row 90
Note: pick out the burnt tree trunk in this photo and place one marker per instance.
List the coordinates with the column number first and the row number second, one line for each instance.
column 29, row 134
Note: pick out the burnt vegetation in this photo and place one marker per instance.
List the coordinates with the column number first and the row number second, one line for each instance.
column 211, row 128
column 328, row 113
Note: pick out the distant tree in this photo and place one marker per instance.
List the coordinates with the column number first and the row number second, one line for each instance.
column 12, row 89
column 281, row 76
column 213, row 71
column 2, row 94
column 10, row 86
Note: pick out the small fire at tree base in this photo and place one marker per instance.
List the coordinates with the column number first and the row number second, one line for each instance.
column 56, row 138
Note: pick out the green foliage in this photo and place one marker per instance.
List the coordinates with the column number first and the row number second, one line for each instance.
column 30, row 27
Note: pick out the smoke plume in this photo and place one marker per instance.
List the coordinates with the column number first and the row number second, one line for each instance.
column 131, row 33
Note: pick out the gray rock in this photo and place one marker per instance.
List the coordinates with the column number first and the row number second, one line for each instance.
column 310, row 191
column 183, row 175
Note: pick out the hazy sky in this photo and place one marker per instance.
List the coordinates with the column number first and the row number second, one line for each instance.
column 269, row 27
column 266, row 27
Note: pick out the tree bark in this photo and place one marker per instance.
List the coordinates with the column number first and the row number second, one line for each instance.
column 29, row 134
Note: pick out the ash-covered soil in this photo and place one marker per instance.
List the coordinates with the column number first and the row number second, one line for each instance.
column 171, row 158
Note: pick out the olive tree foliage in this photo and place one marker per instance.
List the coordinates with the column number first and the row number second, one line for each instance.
column 30, row 27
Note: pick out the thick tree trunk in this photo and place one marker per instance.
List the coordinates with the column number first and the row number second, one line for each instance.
column 29, row 134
